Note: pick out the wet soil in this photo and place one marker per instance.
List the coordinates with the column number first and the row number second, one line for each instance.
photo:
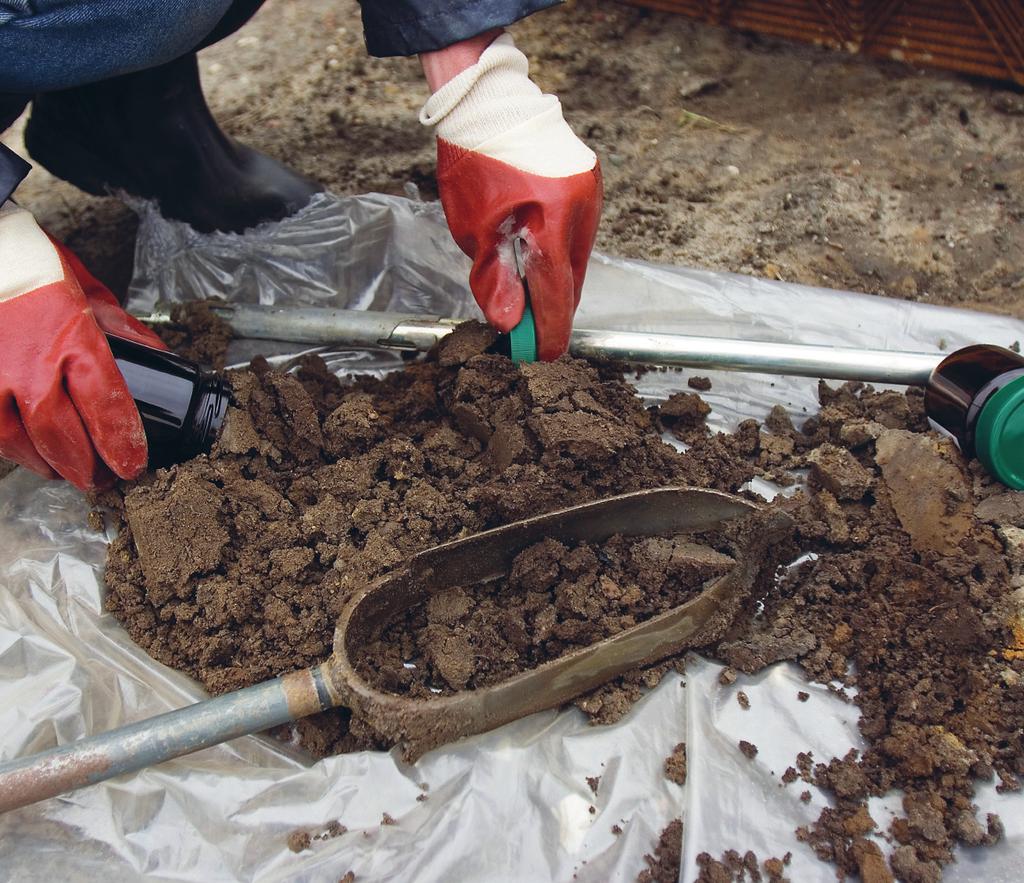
column 198, row 333
column 911, row 600
column 556, row 598
column 233, row 567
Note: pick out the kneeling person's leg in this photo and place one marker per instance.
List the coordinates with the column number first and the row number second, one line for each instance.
column 52, row 44
column 151, row 134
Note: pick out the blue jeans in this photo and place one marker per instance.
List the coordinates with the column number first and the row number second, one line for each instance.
column 47, row 45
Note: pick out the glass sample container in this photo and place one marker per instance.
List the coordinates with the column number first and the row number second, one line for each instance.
column 182, row 406
column 977, row 395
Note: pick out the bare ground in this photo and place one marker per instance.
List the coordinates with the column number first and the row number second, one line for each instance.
column 720, row 150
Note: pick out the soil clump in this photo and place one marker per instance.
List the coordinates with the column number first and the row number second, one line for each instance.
column 675, row 765
column 736, row 868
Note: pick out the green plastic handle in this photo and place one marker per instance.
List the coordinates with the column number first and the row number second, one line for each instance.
column 999, row 434
column 522, row 340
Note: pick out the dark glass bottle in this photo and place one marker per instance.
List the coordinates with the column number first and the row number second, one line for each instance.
column 977, row 394
column 182, row 406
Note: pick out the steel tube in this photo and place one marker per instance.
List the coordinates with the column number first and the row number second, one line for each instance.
column 763, row 357
column 325, row 325
column 132, row 747
column 316, row 325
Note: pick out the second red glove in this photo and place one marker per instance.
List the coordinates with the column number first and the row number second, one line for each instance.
column 107, row 311
column 508, row 167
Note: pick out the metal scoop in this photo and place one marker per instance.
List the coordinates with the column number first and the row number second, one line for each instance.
column 420, row 725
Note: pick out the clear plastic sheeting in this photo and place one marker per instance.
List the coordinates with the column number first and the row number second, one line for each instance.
column 513, row 804
column 370, row 252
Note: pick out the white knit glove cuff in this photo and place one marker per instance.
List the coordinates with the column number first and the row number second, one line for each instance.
column 28, row 259
column 494, row 108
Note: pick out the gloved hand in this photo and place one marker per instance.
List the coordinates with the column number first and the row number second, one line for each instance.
column 105, row 309
column 65, row 410
column 508, row 167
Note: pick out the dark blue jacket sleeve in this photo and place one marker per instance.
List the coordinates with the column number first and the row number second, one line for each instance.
column 408, row 27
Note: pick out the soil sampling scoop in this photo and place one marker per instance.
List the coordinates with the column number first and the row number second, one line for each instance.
column 421, row 724
column 976, row 393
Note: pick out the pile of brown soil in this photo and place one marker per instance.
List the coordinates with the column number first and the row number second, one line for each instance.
column 234, row 566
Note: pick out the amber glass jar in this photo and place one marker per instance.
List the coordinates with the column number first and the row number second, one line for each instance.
column 182, row 406
column 977, row 394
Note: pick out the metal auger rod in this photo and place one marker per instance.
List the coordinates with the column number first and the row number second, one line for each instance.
column 412, row 332
column 26, row 780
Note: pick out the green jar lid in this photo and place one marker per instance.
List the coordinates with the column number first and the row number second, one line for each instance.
column 999, row 434
column 522, row 340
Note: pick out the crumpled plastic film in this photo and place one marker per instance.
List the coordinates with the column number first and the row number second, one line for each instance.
column 358, row 252
column 513, row 804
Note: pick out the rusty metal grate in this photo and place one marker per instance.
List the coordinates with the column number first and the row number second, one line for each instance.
column 980, row 37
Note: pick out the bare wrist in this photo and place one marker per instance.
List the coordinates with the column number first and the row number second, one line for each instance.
column 441, row 66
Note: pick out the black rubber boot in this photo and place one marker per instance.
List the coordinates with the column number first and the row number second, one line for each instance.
column 151, row 134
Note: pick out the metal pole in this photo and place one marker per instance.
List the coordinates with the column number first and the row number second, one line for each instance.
column 763, row 357
column 317, row 325
column 130, row 748
column 325, row 325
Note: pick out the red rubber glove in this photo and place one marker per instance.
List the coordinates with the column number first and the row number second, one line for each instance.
column 64, row 408
column 105, row 309
column 509, row 167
